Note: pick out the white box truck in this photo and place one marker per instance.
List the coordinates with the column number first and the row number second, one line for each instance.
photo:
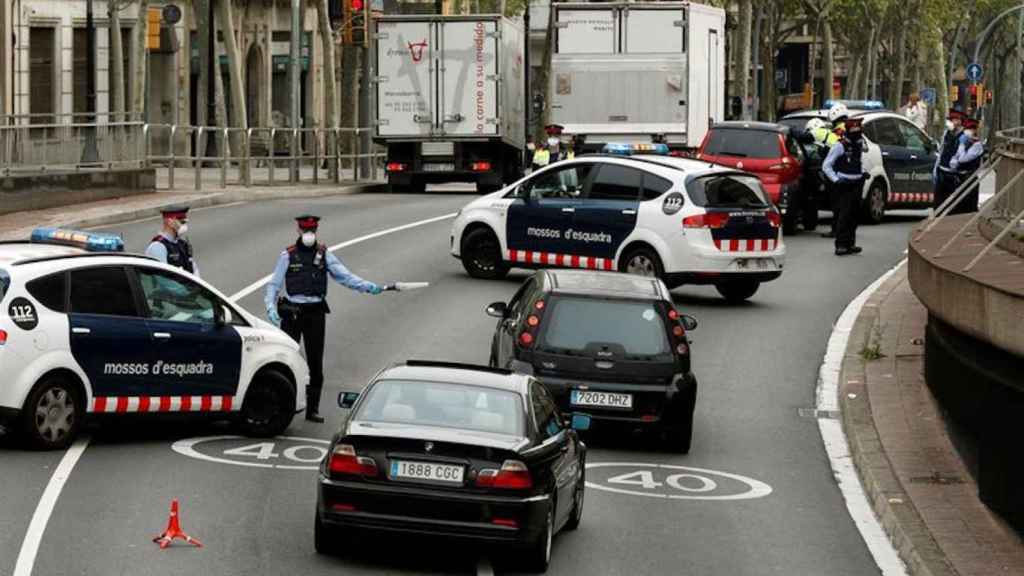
column 638, row 72
column 449, row 99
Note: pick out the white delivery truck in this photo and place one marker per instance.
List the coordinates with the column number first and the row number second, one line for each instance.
column 450, row 100
column 638, row 72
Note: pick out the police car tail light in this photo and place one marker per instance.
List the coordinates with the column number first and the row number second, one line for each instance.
column 395, row 167
column 712, row 220
column 345, row 461
column 3, row 337
column 513, row 475
column 774, row 218
column 481, row 166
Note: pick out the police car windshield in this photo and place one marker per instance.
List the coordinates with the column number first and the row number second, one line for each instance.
column 443, row 405
column 726, row 191
column 579, row 325
column 5, row 281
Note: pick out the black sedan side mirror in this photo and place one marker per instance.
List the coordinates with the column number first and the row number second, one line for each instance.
column 347, row 399
column 689, row 322
column 497, row 309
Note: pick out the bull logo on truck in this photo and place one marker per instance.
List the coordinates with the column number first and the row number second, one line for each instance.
column 417, row 49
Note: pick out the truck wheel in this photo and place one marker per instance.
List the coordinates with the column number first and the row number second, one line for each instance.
column 481, row 255
column 269, row 405
column 736, row 291
column 52, row 414
column 874, row 205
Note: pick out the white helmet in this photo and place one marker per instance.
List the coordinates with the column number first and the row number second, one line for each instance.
column 837, row 111
column 815, row 124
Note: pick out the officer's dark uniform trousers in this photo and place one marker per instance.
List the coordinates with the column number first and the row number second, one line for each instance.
column 969, row 203
column 946, row 182
column 848, row 193
column 307, row 323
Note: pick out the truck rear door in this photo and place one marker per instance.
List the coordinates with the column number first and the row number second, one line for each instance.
column 654, row 31
column 469, row 78
column 405, row 60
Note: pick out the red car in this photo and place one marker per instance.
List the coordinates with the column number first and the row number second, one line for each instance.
column 767, row 150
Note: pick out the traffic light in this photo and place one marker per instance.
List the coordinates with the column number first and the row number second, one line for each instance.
column 355, row 20
column 976, row 91
column 955, row 93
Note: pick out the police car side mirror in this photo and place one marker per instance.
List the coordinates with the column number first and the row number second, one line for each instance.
column 689, row 322
column 220, row 315
column 497, row 309
column 347, row 399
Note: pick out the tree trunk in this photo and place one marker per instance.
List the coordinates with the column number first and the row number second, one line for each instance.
column 872, row 63
column 117, row 108
column 853, row 76
column 544, row 76
column 938, row 75
column 330, row 93
column 741, row 66
column 1013, row 95
column 239, row 118
column 900, row 52
column 141, row 61
column 827, row 61
column 220, row 105
column 349, row 65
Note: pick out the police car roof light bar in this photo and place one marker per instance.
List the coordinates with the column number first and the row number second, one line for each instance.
column 630, row 149
column 88, row 241
column 857, row 104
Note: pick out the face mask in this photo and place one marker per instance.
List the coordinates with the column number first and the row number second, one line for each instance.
column 308, row 238
column 950, row 125
column 183, row 229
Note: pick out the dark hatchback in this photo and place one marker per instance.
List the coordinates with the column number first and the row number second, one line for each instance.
column 610, row 345
column 453, row 450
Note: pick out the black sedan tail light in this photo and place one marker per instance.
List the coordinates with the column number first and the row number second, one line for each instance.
column 345, row 462
column 513, row 475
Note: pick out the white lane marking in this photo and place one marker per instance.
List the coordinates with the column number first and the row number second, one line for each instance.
column 259, row 283
column 484, row 568
column 834, row 438
column 756, row 488
column 36, row 528
column 187, row 447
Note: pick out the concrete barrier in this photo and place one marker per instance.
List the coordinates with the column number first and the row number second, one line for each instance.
column 49, row 190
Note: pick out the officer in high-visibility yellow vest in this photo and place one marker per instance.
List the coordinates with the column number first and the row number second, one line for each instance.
column 541, row 156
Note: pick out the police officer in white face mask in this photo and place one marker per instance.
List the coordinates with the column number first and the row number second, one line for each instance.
column 170, row 246
column 300, row 308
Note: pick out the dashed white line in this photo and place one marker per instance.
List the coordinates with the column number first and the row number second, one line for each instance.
column 834, row 438
column 36, row 528
column 484, row 568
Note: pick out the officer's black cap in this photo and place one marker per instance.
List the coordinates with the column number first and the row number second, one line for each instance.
column 178, row 212
column 308, row 222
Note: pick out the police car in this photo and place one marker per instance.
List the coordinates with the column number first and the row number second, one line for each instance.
column 86, row 329
column 630, row 209
column 899, row 158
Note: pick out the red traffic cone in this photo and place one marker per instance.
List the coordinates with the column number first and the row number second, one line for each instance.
column 174, row 531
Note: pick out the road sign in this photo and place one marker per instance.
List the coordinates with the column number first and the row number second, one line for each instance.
column 974, row 71
column 928, row 95
column 172, row 14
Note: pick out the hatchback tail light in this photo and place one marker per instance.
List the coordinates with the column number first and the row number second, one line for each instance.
column 345, row 461
column 513, row 475
column 528, row 335
column 395, row 167
column 712, row 220
column 3, row 337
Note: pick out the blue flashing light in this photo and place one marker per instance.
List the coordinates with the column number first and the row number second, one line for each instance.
column 631, row 149
column 88, row 241
column 857, row 104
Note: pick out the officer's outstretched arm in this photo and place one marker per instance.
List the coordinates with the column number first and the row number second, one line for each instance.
column 343, row 276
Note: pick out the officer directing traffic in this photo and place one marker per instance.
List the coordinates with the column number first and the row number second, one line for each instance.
column 170, row 245
column 844, row 169
column 300, row 308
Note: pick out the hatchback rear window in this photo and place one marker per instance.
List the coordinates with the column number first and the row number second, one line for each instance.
column 444, row 405
column 5, row 282
column 743, row 143
column 580, row 325
column 726, row 191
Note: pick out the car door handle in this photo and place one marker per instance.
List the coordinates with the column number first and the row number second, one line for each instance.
column 568, row 210
column 81, row 331
column 564, row 448
column 162, row 335
column 885, row 154
column 913, row 157
column 629, row 212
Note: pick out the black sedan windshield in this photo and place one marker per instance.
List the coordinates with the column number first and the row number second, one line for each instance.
column 444, row 405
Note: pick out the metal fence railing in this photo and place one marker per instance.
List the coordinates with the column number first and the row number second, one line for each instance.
column 43, row 148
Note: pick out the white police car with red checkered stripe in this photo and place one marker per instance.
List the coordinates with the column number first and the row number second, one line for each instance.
column 685, row 221
column 86, row 330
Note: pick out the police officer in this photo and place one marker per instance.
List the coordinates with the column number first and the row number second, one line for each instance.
column 300, row 309
column 554, row 132
column 943, row 175
column 541, row 157
column 965, row 163
column 837, row 116
column 844, row 169
column 170, row 245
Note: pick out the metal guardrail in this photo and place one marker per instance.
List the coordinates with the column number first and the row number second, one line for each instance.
column 1007, row 203
column 45, row 148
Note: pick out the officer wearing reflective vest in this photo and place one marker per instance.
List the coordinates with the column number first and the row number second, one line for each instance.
column 844, row 168
column 541, row 156
column 300, row 308
column 170, row 245
column 943, row 175
column 965, row 163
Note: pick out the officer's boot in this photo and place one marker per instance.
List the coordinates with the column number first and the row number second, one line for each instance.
column 313, row 405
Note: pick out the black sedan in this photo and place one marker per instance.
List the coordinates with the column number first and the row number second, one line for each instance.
column 454, row 450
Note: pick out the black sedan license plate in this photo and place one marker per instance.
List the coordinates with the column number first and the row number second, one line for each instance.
column 601, row 399
column 407, row 470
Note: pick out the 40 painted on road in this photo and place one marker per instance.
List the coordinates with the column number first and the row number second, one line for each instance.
column 282, row 453
column 672, row 482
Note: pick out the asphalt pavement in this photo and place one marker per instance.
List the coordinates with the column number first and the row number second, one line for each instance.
column 755, row 495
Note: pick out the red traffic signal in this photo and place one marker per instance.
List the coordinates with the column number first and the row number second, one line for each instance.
column 357, row 5
column 974, row 89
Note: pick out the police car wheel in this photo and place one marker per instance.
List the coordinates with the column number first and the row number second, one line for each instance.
column 874, row 204
column 642, row 261
column 736, row 291
column 269, row 405
column 481, row 255
column 52, row 414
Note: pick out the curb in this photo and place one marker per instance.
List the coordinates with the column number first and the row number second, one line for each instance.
column 221, row 197
column 892, row 505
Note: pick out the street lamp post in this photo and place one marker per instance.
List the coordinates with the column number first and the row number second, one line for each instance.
column 527, row 99
column 90, row 155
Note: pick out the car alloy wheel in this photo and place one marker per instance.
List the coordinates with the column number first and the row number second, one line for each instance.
column 876, row 204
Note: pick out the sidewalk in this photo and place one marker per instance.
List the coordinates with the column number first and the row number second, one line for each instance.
column 18, row 225
column 916, row 481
